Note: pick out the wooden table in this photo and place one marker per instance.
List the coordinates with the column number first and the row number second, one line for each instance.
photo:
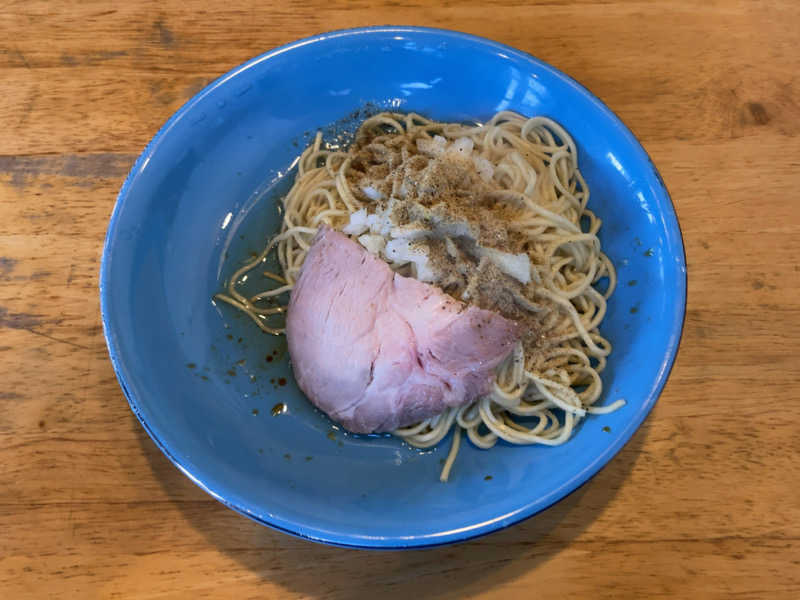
column 703, row 502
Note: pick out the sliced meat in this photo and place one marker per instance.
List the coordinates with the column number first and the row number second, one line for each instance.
column 376, row 351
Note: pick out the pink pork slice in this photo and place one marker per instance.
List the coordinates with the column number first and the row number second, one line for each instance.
column 376, row 351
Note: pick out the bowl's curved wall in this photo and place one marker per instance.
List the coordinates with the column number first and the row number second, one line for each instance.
column 190, row 201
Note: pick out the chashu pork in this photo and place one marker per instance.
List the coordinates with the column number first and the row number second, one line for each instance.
column 375, row 350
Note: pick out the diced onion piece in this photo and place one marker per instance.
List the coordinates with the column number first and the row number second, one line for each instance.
column 371, row 192
column 451, row 248
column 432, row 147
column 423, row 271
column 517, row 266
column 400, row 251
column 462, row 146
column 483, row 167
column 373, row 244
column 358, row 223
column 379, row 223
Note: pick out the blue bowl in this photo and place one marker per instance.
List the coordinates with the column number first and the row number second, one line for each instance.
column 203, row 380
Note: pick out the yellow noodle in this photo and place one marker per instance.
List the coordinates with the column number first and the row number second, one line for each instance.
column 536, row 163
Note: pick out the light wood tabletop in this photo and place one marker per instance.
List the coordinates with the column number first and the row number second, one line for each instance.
column 703, row 502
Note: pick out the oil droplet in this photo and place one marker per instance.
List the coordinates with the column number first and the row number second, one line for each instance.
column 634, row 310
column 649, row 252
column 332, row 436
column 487, row 478
column 261, row 451
column 282, row 381
column 240, row 362
column 287, row 456
column 269, row 358
column 278, row 409
column 279, row 352
column 191, row 365
column 632, row 282
column 308, row 458
column 255, row 412
column 231, row 372
column 607, row 429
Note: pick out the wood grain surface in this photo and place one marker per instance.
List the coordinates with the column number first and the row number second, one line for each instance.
column 703, row 502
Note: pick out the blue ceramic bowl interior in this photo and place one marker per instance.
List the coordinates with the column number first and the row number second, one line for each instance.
column 203, row 380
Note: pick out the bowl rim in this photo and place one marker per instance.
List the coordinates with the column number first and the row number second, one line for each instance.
column 528, row 509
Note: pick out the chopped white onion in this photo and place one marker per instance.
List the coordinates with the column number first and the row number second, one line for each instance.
column 462, row 146
column 423, row 272
column 380, row 236
column 379, row 223
column 483, row 167
column 400, row 251
column 432, row 147
column 371, row 193
column 517, row 266
column 358, row 223
column 451, row 248
column 374, row 244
